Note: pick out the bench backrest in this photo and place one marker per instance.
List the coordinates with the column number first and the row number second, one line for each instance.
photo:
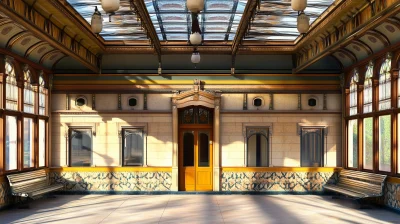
column 370, row 183
column 22, row 182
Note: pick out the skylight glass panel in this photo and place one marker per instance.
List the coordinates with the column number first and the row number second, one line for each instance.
column 124, row 24
column 218, row 19
column 276, row 19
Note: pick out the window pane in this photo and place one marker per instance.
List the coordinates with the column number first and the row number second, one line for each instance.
column 352, row 152
column 28, row 143
column 133, row 147
column 257, row 151
column 384, row 143
column 398, row 145
column 81, row 147
column 188, row 149
column 368, row 143
column 312, row 147
column 42, row 143
column 204, row 150
column 11, row 143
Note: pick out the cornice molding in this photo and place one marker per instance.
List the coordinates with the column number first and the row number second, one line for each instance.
column 34, row 23
column 65, row 8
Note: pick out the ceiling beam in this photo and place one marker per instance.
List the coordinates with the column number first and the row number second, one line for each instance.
column 34, row 24
column 141, row 10
column 249, row 11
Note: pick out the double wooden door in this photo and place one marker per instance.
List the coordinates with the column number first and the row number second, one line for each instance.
column 195, row 159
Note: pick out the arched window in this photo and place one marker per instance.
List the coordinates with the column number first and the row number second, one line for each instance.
column 42, row 95
column 353, row 93
column 29, row 94
column 368, row 88
column 257, row 147
column 11, row 86
column 385, row 84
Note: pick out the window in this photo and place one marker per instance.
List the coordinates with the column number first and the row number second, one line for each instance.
column 312, row 147
column 80, row 147
column 42, row 95
column 11, row 87
column 385, row 143
column 368, row 88
column 133, row 147
column 80, row 101
column 29, row 94
column 11, row 152
column 385, row 84
column 195, row 115
column 257, row 102
column 29, row 149
column 352, row 145
column 257, row 147
column 353, row 93
column 368, row 146
column 42, row 143
column 132, row 102
column 312, row 102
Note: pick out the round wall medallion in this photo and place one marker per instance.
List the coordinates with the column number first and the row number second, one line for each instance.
column 53, row 57
column 355, row 47
column 41, row 49
column 390, row 28
column 6, row 30
column 25, row 41
column 372, row 39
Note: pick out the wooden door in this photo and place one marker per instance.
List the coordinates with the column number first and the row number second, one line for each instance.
column 195, row 160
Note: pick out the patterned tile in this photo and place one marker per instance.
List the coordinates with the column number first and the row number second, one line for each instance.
column 113, row 181
column 276, row 181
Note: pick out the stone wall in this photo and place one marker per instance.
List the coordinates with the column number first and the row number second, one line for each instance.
column 285, row 139
column 392, row 195
column 5, row 193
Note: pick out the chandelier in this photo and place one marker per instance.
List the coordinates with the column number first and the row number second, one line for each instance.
column 195, row 6
column 110, row 7
column 303, row 21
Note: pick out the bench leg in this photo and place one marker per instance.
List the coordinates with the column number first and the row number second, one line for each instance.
column 24, row 204
column 361, row 204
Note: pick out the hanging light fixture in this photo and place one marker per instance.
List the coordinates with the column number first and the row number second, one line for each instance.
column 195, row 5
column 299, row 5
column 110, row 6
column 97, row 22
column 195, row 38
column 303, row 23
column 195, row 58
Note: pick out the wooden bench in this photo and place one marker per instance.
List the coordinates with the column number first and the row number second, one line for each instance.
column 31, row 184
column 358, row 185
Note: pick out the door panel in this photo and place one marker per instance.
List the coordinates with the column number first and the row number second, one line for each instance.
column 195, row 160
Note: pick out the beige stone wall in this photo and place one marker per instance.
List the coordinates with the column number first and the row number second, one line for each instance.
column 106, row 141
column 285, row 147
column 107, row 121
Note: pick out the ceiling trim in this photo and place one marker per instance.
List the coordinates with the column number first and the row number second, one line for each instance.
column 380, row 36
column 348, row 37
column 68, row 11
column 9, row 8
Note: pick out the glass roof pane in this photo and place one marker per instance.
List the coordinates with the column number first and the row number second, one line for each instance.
column 218, row 19
column 276, row 19
column 123, row 26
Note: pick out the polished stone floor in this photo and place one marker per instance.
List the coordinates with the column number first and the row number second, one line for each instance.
column 244, row 209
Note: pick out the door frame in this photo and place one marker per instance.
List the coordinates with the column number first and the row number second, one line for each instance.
column 196, row 97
